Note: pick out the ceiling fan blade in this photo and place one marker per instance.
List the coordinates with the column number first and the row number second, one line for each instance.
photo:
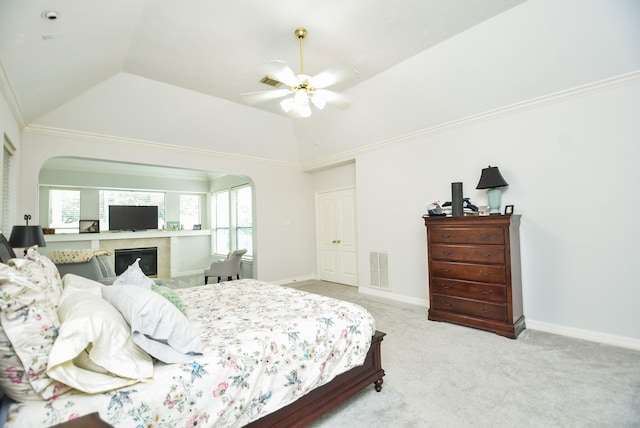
column 280, row 71
column 332, row 98
column 262, row 96
column 332, row 76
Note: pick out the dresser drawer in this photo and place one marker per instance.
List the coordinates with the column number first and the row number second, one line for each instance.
column 470, row 290
column 468, row 235
column 471, row 272
column 469, row 253
column 473, row 308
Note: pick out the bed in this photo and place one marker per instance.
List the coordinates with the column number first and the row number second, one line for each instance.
column 251, row 353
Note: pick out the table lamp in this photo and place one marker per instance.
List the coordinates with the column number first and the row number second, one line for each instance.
column 492, row 179
column 26, row 236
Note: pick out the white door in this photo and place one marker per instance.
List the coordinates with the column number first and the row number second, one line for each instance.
column 336, row 217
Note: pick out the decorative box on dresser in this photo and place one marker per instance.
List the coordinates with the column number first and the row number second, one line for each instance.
column 474, row 272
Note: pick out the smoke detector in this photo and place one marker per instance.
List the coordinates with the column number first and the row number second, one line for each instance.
column 49, row 15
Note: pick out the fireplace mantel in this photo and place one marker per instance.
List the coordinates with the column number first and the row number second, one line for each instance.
column 103, row 236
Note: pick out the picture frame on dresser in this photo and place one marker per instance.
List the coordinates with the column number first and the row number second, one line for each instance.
column 508, row 209
column 89, row 226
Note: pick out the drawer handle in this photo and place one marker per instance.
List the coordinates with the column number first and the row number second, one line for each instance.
column 447, row 286
column 486, row 311
column 445, row 253
column 485, row 273
column 444, row 302
column 445, row 270
column 487, row 292
column 445, row 235
column 485, row 236
column 485, row 255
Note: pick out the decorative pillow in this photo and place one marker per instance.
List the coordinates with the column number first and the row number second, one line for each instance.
column 94, row 351
column 171, row 295
column 157, row 326
column 42, row 272
column 134, row 276
column 71, row 282
column 30, row 323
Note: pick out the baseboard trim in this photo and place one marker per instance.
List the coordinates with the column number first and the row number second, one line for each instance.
column 293, row 280
column 392, row 296
column 577, row 333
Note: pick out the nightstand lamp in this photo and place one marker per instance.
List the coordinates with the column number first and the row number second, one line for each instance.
column 26, row 236
column 492, row 179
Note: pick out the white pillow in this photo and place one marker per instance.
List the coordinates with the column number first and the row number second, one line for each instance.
column 134, row 276
column 157, row 325
column 73, row 282
column 94, row 351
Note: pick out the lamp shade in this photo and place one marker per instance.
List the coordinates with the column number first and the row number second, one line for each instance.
column 491, row 178
column 26, row 236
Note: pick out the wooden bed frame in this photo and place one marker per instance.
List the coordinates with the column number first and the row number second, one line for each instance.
column 319, row 401
column 307, row 408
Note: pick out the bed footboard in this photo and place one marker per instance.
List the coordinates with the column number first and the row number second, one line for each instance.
column 319, row 401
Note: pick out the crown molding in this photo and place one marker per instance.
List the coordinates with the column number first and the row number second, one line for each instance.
column 350, row 155
column 102, row 138
column 6, row 87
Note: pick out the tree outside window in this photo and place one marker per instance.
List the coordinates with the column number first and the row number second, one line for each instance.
column 189, row 211
column 64, row 210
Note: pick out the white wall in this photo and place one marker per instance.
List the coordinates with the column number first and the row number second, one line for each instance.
column 537, row 48
column 283, row 193
column 572, row 168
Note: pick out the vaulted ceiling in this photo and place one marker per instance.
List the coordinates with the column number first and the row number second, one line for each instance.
column 212, row 47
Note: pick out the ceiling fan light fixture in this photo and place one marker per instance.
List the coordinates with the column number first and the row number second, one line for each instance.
column 301, row 90
column 300, row 98
column 305, row 111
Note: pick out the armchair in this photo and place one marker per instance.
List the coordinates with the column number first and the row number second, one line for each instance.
column 228, row 268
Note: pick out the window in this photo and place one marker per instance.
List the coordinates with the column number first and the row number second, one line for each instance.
column 64, row 210
column 220, row 210
column 125, row 197
column 244, row 219
column 232, row 220
column 189, row 210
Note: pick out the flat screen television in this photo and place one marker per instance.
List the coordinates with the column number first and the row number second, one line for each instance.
column 129, row 217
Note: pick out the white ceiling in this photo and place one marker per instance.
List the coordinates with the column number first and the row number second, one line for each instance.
column 213, row 47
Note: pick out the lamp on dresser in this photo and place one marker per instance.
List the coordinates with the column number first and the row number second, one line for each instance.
column 26, row 236
column 492, row 179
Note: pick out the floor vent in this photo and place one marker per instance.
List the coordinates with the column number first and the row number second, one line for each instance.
column 379, row 268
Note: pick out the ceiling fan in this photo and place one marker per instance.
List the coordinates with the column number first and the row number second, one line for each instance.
column 301, row 89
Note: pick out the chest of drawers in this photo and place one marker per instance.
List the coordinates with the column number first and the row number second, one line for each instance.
column 474, row 272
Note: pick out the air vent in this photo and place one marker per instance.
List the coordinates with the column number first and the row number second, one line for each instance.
column 271, row 81
column 379, row 268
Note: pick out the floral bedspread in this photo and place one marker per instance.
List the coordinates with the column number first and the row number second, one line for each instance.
column 266, row 346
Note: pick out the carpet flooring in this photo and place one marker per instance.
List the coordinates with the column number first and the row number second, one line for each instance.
column 444, row 375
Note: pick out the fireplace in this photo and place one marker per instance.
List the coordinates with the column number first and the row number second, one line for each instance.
column 148, row 259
